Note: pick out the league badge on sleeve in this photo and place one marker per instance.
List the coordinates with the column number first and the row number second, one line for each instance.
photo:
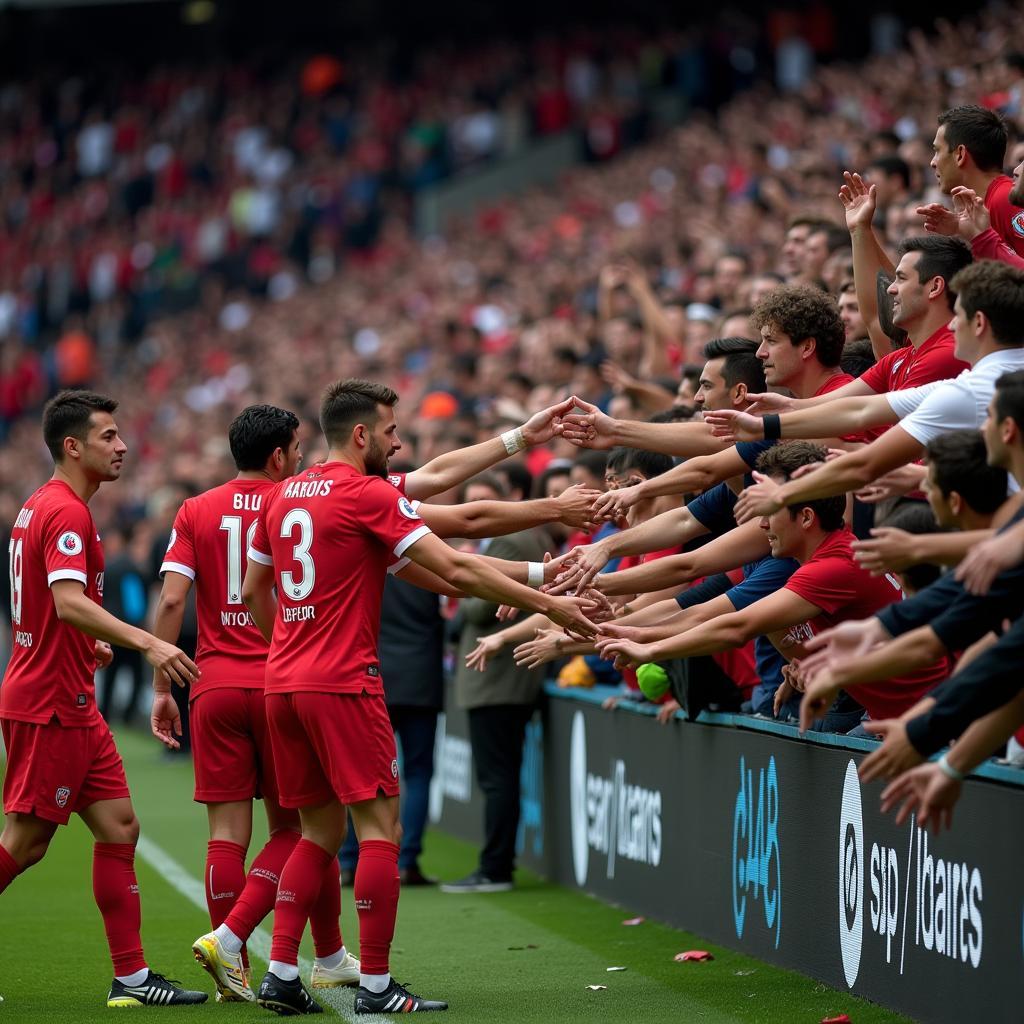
column 69, row 543
column 405, row 507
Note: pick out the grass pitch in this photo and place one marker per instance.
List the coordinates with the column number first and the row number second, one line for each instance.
column 525, row 956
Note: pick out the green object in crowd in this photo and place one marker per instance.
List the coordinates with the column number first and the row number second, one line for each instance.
column 653, row 680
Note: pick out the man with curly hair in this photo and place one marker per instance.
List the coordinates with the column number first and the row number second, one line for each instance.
column 802, row 337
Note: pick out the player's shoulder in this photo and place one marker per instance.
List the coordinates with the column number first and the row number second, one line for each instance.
column 56, row 499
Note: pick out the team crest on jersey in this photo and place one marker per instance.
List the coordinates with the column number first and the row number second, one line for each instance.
column 172, row 540
column 69, row 543
column 405, row 507
column 62, row 795
column 1018, row 223
column 394, row 767
column 394, row 479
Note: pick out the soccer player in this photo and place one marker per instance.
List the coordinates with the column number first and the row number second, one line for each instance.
column 231, row 751
column 325, row 539
column 61, row 757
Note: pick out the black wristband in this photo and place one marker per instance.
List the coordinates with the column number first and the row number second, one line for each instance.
column 772, row 427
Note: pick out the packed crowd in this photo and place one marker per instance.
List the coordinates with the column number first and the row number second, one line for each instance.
column 785, row 397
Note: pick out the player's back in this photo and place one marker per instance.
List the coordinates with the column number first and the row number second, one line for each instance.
column 52, row 663
column 331, row 534
column 208, row 544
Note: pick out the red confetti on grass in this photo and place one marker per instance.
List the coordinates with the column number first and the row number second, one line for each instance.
column 843, row 1018
column 693, row 954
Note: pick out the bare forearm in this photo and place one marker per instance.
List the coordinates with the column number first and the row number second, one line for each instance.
column 868, row 259
column 168, row 619
column 945, row 548
column 847, row 473
column 663, row 572
column 90, row 618
column 719, row 634
column 905, row 654
column 453, row 468
column 837, row 417
column 677, row 526
column 986, row 735
column 263, row 610
column 498, row 518
column 685, row 439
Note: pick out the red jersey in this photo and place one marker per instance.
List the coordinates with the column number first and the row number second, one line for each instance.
column 208, row 545
column 52, row 664
column 330, row 534
column 1007, row 219
column 833, row 582
column 910, row 367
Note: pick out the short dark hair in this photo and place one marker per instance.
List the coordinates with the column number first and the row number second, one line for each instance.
column 784, row 459
column 594, row 461
column 983, row 132
column 517, row 476
column 558, row 467
column 836, row 238
column 916, row 517
column 804, row 220
column 489, row 479
column 858, row 357
column 348, row 402
column 804, row 312
column 997, row 290
column 957, row 460
column 69, row 414
column 941, row 256
column 890, row 165
column 622, row 459
column 1009, row 397
column 257, row 432
column 741, row 364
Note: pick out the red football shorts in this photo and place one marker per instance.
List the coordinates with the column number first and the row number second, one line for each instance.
column 331, row 746
column 231, row 751
column 53, row 772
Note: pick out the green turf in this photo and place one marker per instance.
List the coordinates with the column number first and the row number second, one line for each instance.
column 525, row 956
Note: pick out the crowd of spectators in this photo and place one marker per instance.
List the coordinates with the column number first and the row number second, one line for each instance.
column 271, row 214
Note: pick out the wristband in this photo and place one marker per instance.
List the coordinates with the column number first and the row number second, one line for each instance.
column 534, row 574
column 949, row 771
column 513, row 440
column 772, row 427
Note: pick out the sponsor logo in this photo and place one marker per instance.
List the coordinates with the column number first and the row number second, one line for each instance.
column 405, row 507
column 69, row 543
column 394, row 767
column 394, row 479
column 1017, row 221
column 285, row 896
column 851, row 874
column 81, row 700
column 23, row 639
column 453, row 770
column 172, row 540
column 364, row 904
column 24, row 518
column 757, row 870
column 531, row 786
column 373, row 670
column 932, row 903
column 608, row 815
column 62, row 796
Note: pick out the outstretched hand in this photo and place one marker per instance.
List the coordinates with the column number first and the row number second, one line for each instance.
column 859, row 200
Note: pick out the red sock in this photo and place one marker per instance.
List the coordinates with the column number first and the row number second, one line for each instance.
column 116, row 891
column 376, row 894
column 296, row 893
column 224, row 877
column 257, row 899
column 9, row 869
column 325, row 916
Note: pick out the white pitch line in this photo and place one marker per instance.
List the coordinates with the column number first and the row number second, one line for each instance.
column 341, row 1000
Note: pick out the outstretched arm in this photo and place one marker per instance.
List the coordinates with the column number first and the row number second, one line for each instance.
column 453, row 468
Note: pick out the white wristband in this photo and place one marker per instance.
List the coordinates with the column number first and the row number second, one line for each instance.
column 513, row 440
column 949, row 771
column 534, row 574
